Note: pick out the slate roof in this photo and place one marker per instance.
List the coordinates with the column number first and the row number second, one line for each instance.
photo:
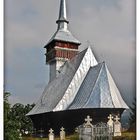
column 82, row 83
column 62, row 33
column 98, row 90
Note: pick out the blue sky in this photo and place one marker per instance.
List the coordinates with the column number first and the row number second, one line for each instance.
column 108, row 25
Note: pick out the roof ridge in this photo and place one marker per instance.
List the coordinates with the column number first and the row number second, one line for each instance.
column 72, row 59
column 105, row 66
column 95, row 80
column 119, row 96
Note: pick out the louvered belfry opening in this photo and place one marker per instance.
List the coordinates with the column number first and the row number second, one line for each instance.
column 61, row 50
column 62, row 46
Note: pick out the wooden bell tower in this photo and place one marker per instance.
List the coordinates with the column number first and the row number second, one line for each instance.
column 62, row 46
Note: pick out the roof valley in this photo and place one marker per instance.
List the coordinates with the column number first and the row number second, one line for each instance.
column 77, row 80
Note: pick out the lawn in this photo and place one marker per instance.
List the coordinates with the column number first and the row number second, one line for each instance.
column 125, row 136
column 68, row 138
column 72, row 137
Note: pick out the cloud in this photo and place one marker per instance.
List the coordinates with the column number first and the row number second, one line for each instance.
column 111, row 30
column 14, row 99
column 108, row 25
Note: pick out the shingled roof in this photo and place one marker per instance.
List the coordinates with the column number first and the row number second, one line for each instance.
column 62, row 33
column 98, row 90
column 82, row 83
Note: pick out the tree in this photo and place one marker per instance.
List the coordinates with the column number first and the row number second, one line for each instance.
column 15, row 119
column 27, row 121
column 133, row 117
column 18, row 113
column 10, row 126
column 133, row 113
column 6, row 106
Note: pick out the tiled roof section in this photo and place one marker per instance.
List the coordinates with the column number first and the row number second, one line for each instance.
column 86, row 88
column 100, row 96
column 97, row 91
column 70, row 93
column 63, row 35
column 55, row 90
column 82, row 83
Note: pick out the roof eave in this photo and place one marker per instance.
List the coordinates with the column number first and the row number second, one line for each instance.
column 54, row 40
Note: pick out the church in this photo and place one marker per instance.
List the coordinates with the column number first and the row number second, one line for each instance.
column 79, row 85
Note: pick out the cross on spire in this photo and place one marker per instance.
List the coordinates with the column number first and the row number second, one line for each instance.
column 88, row 120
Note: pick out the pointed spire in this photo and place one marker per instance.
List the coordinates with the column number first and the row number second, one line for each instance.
column 62, row 33
column 62, row 20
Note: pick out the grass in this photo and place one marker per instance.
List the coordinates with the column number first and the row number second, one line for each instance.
column 125, row 136
column 72, row 137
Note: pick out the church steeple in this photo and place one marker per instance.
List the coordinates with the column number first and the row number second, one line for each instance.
column 62, row 46
column 62, row 20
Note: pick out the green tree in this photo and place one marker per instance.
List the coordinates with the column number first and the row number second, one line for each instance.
column 15, row 119
column 18, row 113
column 10, row 126
column 27, row 121
column 133, row 113
column 6, row 106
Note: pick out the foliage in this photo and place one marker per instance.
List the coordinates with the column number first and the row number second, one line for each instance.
column 6, row 106
column 10, row 126
column 11, row 132
column 18, row 113
column 15, row 119
column 133, row 114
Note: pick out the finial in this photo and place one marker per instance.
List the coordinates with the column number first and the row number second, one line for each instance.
column 62, row 20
